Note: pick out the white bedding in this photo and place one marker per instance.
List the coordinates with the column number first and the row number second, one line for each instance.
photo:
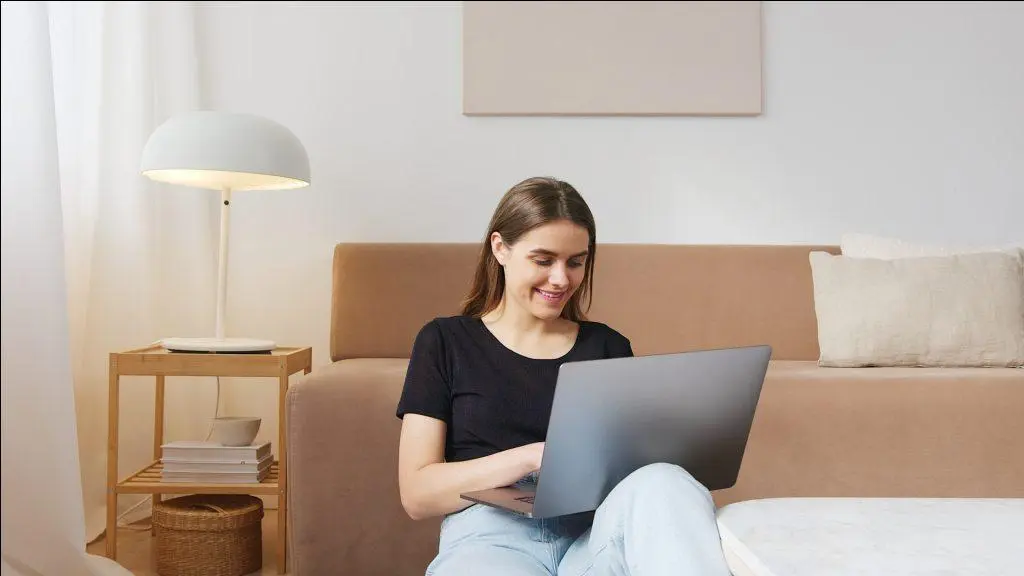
column 874, row 537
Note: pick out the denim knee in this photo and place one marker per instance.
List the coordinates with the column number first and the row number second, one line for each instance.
column 662, row 477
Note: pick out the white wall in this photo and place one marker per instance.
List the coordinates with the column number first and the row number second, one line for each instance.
column 893, row 118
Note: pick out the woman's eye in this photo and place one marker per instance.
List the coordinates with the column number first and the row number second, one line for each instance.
column 575, row 264
column 543, row 262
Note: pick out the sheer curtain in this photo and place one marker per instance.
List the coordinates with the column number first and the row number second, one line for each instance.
column 95, row 258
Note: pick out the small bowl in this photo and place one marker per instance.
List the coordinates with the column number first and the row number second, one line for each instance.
column 235, row 430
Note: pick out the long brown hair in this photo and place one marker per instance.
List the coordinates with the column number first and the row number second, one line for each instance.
column 527, row 205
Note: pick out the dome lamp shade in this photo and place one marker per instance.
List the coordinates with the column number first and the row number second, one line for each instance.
column 225, row 150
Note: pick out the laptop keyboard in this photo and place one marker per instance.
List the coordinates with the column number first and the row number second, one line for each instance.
column 527, row 499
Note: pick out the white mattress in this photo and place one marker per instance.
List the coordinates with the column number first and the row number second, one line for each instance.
column 874, row 537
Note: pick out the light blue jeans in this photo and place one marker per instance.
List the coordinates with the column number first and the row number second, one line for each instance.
column 658, row 520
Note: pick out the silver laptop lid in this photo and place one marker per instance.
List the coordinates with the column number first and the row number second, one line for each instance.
column 611, row 417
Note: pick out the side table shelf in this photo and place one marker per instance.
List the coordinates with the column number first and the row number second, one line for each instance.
column 281, row 363
column 147, row 481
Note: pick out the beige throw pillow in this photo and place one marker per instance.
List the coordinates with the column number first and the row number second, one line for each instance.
column 859, row 245
column 956, row 310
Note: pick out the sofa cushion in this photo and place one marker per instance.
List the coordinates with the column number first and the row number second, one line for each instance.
column 890, row 431
column 956, row 310
column 663, row 297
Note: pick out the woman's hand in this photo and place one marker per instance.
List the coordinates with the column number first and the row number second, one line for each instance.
column 429, row 486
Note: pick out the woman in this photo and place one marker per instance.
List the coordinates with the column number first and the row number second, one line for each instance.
column 476, row 402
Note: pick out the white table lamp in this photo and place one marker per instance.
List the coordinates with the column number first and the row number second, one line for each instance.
column 228, row 152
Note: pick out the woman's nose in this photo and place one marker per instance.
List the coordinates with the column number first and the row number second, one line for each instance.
column 558, row 276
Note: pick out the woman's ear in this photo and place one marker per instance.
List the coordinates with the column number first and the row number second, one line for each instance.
column 499, row 248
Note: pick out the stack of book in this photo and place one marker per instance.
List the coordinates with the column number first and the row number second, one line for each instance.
column 197, row 461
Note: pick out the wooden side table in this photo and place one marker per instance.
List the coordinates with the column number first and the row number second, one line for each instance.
column 281, row 363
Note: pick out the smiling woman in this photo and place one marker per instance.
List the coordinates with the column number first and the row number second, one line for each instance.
column 543, row 223
column 477, row 398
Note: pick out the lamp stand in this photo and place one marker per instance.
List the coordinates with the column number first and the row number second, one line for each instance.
column 220, row 343
column 222, row 260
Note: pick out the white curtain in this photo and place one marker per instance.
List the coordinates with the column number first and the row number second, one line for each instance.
column 95, row 257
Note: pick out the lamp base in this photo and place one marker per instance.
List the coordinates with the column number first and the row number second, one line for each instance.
column 214, row 345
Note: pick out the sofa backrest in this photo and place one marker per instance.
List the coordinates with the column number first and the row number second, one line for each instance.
column 664, row 298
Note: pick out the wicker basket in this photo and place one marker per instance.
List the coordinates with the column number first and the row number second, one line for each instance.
column 209, row 535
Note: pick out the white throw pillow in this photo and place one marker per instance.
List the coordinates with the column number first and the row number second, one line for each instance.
column 956, row 310
column 856, row 245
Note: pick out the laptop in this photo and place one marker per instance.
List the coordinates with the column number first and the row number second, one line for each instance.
column 611, row 417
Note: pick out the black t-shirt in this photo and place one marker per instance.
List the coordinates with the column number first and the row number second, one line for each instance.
column 490, row 397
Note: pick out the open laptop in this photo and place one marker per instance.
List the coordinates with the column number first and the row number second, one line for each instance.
column 611, row 417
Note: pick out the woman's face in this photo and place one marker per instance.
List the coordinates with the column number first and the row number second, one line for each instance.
column 545, row 267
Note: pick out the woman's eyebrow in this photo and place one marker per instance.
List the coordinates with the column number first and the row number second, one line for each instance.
column 546, row 252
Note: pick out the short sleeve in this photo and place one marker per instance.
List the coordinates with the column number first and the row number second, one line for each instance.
column 427, row 388
column 619, row 346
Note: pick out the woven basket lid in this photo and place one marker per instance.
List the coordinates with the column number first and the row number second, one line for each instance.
column 208, row 512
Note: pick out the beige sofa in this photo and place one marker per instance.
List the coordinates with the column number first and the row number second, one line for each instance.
column 818, row 431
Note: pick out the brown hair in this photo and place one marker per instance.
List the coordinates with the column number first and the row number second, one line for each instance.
column 527, row 205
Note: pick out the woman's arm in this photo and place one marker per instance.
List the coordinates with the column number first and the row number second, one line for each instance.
column 429, row 486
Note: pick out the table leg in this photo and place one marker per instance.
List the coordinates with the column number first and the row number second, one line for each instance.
column 158, row 435
column 112, row 421
column 282, row 479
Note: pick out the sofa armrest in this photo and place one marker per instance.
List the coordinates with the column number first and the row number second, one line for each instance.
column 345, row 514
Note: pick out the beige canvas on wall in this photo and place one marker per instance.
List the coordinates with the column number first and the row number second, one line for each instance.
column 612, row 58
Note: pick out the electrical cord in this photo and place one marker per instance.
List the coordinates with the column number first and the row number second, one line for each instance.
column 216, row 412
